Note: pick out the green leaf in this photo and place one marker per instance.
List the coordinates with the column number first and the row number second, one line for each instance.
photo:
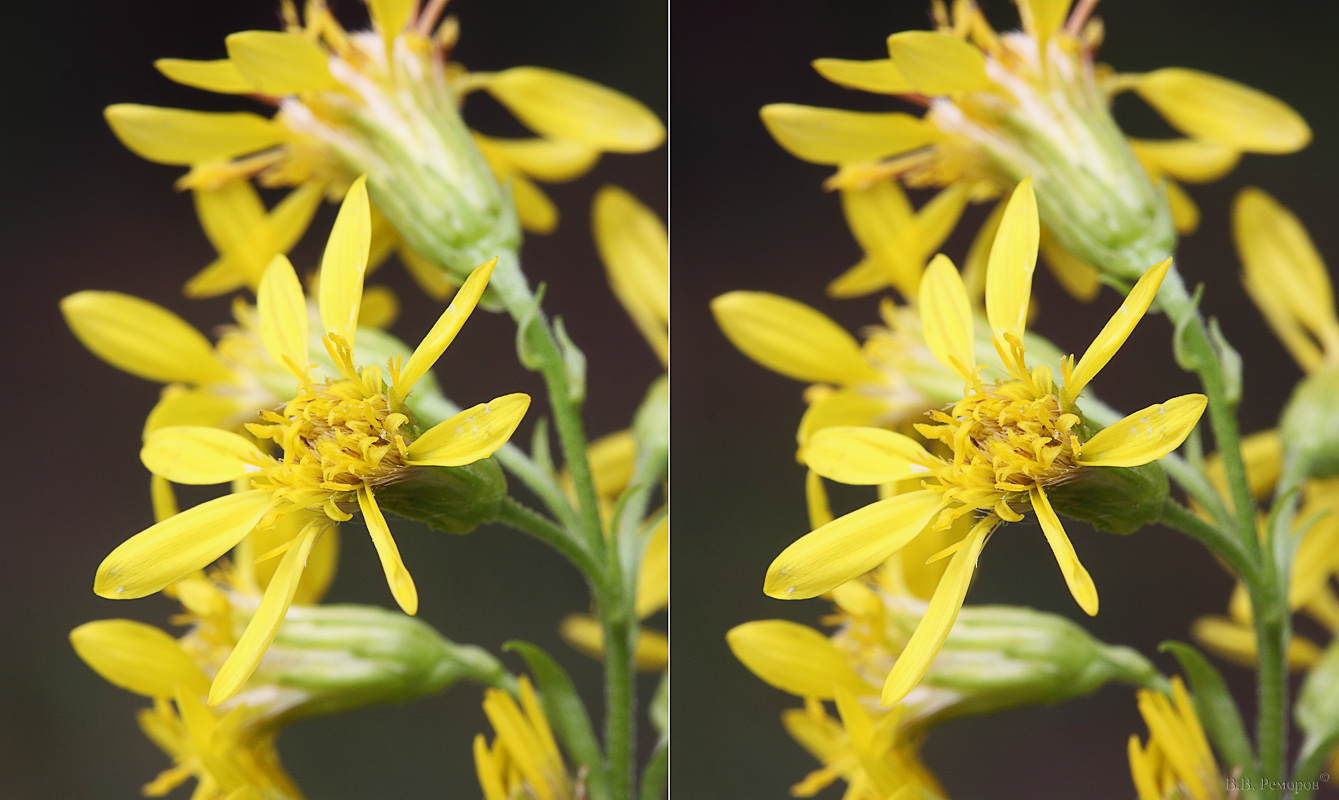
column 659, row 711
column 530, row 326
column 574, row 362
column 540, row 451
column 566, row 714
column 1231, row 361
column 656, row 774
column 1186, row 358
column 1213, row 703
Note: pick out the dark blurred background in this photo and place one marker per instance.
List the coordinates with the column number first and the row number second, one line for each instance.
column 81, row 212
column 749, row 216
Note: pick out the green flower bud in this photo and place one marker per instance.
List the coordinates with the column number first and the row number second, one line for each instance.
column 450, row 499
column 1113, row 499
column 1000, row 657
column 1054, row 122
column 330, row 659
column 1309, row 426
column 400, row 125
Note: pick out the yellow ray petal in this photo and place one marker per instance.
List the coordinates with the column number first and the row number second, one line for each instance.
column 178, row 137
column 397, row 577
column 199, row 456
column 938, row 63
column 934, row 626
column 1185, row 214
column 834, row 136
column 882, row 221
column 844, row 407
column 220, row 276
column 537, row 212
column 444, row 331
column 791, row 338
column 1117, row 329
column 794, row 658
column 1146, row 435
column 142, row 338
column 946, row 316
column 564, row 106
column 1188, row 160
column 634, row 246
column 282, row 309
column 850, row 546
column 1078, row 580
column 653, row 575
column 177, row 546
column 1205, row 106
column 279, row 63
column 864, row 456
column 345, row 262
column 290, row 218
column 937, row 218
column 1283, row 272
column 1079, row 278
column 864, row 278
column 137, row 657
column 264, row 625
column 881, row 76
column 322, row 563
column 389, row 17
column 379, row 308
column 195, row 407
column 1013, row 257
column 435, row 282
column 470, row 435
column 1042, row 18
column 219, row 76
column 612, row 459
column 548, row 160
column 162, row 496
column 233, row 217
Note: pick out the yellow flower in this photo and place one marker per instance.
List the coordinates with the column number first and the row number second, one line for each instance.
column 634, row 246
column 1011, row 443
column 524, row 760
column 1004, row 105
column 342, row 440
column 336, row 91
column 1176, row 762
column 1286, row 278
column 877, row 757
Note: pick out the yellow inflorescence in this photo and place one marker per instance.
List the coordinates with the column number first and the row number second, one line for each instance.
column 337, row 436
column 1006, row 438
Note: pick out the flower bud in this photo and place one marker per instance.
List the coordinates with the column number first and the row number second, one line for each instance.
column 450, row 499
column 999, row 657
column 329, row 659
column 1310, row 423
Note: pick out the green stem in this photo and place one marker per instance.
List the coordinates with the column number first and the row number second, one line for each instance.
column 1180, row 309
column 1273, row 630
column 620, row 633
column 524, row 520
column 1212, row 537
column 511, row 287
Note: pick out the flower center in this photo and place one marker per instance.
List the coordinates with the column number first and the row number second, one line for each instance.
column 1006, row 438
column 337, row 436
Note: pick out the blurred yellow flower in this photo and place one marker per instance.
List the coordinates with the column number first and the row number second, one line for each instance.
column 523, row 760
column 1000, row 106
column 1176, row 762
column 634, row 246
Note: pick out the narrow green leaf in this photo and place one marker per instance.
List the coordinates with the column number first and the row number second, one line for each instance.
column 540, row 451
column 1213, row 703
column 528, row 327
column 566, row 714
column 656, row 774
column 1186, row 358
column 574, row 362
column 1231, row 361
